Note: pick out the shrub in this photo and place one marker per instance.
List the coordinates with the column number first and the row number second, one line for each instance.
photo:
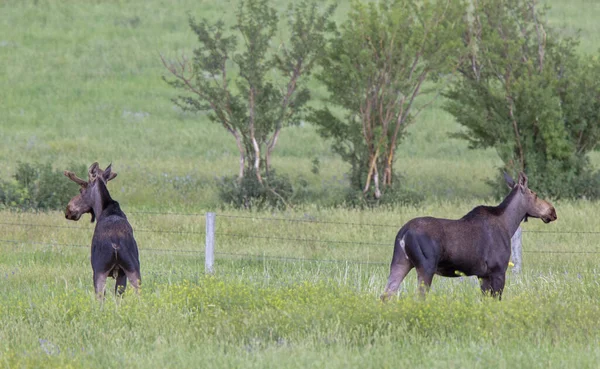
column 526, row 92
column 38, row 186
column 258, row 88
column 375, row 69
column 248, row 193
column 395, row 195
column 12, row 194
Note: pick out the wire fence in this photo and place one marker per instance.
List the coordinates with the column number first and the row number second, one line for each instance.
column 313, row 240
column 86, row 247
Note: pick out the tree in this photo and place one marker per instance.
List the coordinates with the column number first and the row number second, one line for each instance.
column 255, row 90
column 526, row 92
column 375, row 70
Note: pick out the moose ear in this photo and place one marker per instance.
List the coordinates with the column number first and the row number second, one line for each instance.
column 108, row 173
column 509, row 181
column 93, row 171
column 522, row 179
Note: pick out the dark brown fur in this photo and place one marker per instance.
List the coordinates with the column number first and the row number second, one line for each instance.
column 114, row 250
column 477, row 244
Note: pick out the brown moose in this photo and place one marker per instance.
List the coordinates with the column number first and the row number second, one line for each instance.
column 477, row 244
column 114, row 250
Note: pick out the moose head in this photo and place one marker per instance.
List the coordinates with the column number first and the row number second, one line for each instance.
column 90, row 192
column 534, row 206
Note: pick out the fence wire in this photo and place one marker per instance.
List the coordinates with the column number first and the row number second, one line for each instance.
column 257, row 257
column 297, row 260
column 200, row 252
column 34, row 225
column 52, row 244
column 309, row 240
column 313, row 221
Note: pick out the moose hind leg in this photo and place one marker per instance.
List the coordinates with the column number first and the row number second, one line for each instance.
column 135, row 279
column 121, row 283
column 100, row 283
column 398, row 272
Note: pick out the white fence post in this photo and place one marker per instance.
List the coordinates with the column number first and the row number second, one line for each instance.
column 516, row 249
column 209, row 254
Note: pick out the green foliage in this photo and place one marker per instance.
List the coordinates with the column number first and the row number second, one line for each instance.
column 374, row 71
column 526, row 93
column 395, row 196
column 12, row 194
column 124, row 115
column 316, row 165
column 38, row 186
column 247, row 192
column 254, row 91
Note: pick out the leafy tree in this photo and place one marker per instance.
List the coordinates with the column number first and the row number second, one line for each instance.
column 256, row 89
column 526, row 92
column 376, row 69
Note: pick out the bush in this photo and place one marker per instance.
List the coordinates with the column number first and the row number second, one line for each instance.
column 394, row 196
column 12, row 195
column 38, row 186
column 532, row 98
column 586, row 185
column 248, row 193
column 375, row 69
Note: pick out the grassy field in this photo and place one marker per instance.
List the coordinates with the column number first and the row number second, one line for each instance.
column 303, row 292
column 81, row 82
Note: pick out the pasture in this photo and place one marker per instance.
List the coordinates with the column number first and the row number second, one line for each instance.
column 81, row 82
column 301, row 293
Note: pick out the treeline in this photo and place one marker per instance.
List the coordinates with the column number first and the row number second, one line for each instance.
column 516, row 84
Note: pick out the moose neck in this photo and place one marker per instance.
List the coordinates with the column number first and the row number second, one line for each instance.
column 102, row 198
column 514, row 211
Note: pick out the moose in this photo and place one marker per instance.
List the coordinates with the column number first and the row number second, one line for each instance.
column 114, row 250
column 477, row 244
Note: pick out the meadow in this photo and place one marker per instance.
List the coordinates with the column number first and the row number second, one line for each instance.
column 301, row 293
column 81, row 82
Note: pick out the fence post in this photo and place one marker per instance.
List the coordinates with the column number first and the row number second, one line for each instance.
column 515, row 248
column 209, row 254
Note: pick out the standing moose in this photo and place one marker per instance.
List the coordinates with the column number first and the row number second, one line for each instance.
column 477, row 244
column 114, row 250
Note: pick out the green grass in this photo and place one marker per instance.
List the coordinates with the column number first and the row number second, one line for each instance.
column 228, row 323
column 81, row 82
column 293, row 289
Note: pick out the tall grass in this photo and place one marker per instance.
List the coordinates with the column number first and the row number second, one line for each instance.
column 81, row 82
column 292, row 289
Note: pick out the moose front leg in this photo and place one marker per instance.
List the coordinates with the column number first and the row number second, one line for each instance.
column 424, row 279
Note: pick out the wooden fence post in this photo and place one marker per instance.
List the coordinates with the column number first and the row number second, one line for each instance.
column 516, row 249
column 209, row 254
